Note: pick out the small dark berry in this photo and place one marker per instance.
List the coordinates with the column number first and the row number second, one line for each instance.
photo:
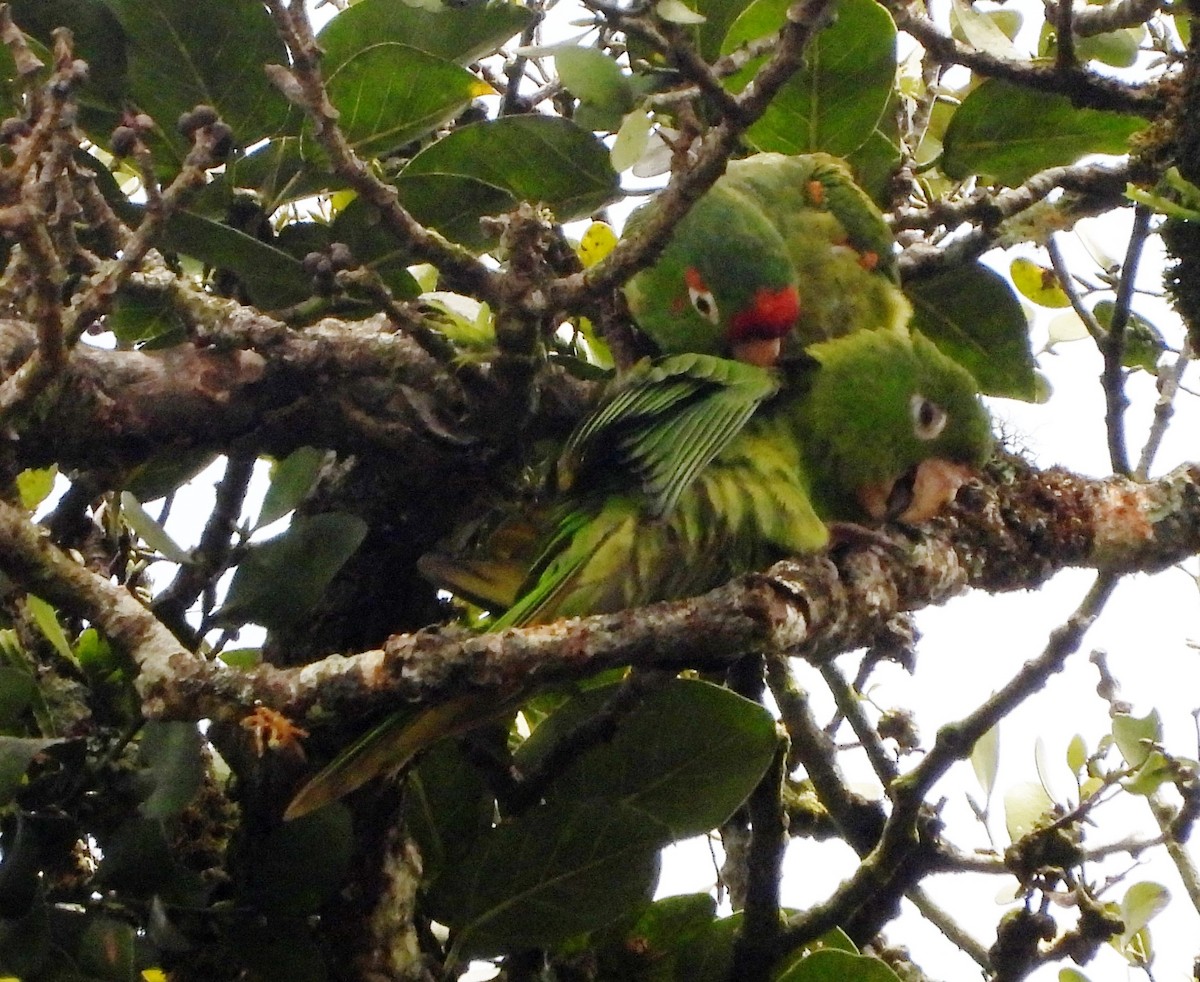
column 341, row 256
column 13, row 128
column 124, row 141
column 205, row 115
column 143, row 122
column 311, row 262
column 222, row 140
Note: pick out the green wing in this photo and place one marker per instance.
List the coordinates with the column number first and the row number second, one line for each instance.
column 662, row 425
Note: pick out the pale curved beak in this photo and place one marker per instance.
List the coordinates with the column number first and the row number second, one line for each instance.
column 917, row 495
column 763, row 352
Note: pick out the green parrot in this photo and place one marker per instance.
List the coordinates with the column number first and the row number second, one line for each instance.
column 695, row 468
column 779, row 248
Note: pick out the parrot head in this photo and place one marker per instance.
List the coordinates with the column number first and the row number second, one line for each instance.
column 892, row 427
column 723, row 286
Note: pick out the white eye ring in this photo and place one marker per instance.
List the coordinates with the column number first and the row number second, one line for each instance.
column 704, row 303
column 929, row 419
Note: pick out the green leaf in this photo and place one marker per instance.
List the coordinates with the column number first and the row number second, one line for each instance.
column 371, row 244
column 148, row 320
column 596, row 80
column 98, row 39
column 1077, row 754
column 535, row 158
column 279, row 581
column 1144, row 343
column 1151, row 774
column 1141, row 903
column 458, row 33
column 985, row 760
column 271, row 277
column 46, row 619
column 836, row 100
column 16, row 754
column 972, row 314
column 1006, row 133
column 283, row 171
column 159, row 475
column 831, row 965
column 182, row 53
column 150, row 532
column 34, row 484
column 298, row 865
column 689, row 754
column 390, row 94
column 678, row 12
column 170, row 752
column 1037, row 283
column 291, row 480
column 106, row 950
column 1025, row 807
column 17, row 691
column 1135, row 737
column 446, row 809
column 452, row 204
column 1071, row 975
column 980, row 30
column 554, row 872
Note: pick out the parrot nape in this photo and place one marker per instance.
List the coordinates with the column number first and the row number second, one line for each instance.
column 780, row 248
column 696, row 468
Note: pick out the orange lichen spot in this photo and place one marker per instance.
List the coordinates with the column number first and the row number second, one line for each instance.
column 816, row 192
column 271, row 730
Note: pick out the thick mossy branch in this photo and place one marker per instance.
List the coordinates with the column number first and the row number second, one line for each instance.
column 1012, row 532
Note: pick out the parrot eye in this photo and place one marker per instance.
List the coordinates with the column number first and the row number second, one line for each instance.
column 929, row 419
column 701, row 296
column 705, row 304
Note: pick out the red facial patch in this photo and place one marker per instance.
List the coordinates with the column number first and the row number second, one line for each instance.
column 816, row 193
column 869, row 261
column 772, row 314
column 692, row 277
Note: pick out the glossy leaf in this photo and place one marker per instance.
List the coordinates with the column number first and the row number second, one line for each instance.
column 458, row 33
column 1077, row 754
column 835, row 101
column 46, row 619
column 34, row 484
column 554, row 872
column 596, row 80
column 1006, row 133
column 831, row 965
column 1141, row 903
column 170, row 752
column 453, row 204
column 146, row 320
column 1025, row 807
column 358, row 227
column 1037, row 283
column 270, row 275
column 279, row 581
column 182, row 53
column 16, row 754
column 159, row 475
column 973, row 315
column 291, row 480
column 1144, row 343
column 446, row 808
column 17, row 690
column 688, row 755
column 390, row 94
column 298, row 865
column 150, row 532
column 1136, row 737
column 534, row 158
column 985, row 760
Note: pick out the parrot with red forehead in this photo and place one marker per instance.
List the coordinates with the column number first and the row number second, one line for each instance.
column 781, row 251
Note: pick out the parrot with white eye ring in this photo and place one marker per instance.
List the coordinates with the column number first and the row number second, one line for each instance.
column 695, row 468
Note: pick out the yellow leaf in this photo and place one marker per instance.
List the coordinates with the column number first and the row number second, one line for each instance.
column 596, row 243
